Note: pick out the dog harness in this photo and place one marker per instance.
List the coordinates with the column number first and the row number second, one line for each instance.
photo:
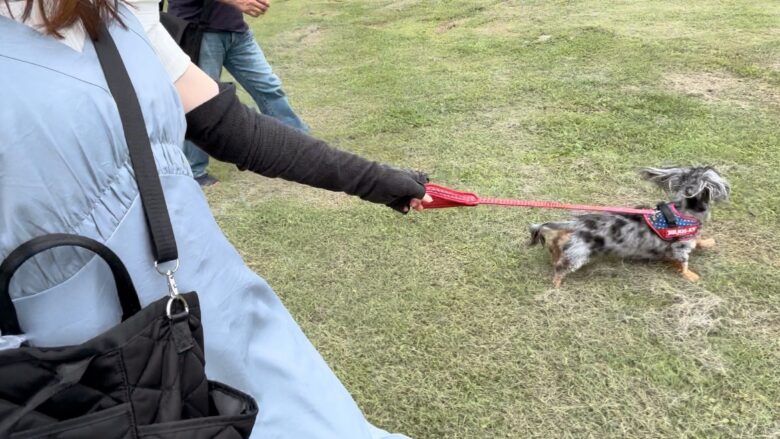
column 671, row 225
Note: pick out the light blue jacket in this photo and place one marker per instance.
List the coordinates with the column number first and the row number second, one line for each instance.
column 64, row 168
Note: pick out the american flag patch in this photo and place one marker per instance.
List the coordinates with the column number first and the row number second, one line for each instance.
column 686, row 227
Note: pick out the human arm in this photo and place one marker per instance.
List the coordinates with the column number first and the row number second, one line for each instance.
column 231, row 131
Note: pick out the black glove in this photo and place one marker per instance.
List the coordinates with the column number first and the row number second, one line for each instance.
column 233, row 132
column 399, row 186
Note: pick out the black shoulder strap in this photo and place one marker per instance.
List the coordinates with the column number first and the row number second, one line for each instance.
column 152, row 198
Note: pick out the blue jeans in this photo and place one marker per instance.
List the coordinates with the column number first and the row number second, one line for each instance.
column 243, row 58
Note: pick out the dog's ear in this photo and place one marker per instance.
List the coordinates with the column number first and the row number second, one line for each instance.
column 667, row 179
column 717, row 188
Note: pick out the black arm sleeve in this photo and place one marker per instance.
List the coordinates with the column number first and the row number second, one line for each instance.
column 233, row 132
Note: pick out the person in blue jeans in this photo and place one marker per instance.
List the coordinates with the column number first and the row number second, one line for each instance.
column 228, row 41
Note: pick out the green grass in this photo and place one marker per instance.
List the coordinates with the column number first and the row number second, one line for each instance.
column 444, row 324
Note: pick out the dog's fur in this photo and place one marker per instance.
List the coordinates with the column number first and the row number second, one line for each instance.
column 573, row 243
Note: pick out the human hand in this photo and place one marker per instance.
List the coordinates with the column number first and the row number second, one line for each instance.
column 405, row 188
column 417, row 203
column 254, row 8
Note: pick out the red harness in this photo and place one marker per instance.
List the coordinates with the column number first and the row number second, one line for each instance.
column 667, row 227
column 671, row 225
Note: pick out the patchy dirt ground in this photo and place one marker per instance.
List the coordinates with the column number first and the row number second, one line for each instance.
column 722, row 87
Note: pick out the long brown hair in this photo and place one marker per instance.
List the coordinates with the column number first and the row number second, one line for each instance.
column 91, row 13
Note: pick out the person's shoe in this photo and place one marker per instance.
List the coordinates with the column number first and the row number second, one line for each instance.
column 206, row 180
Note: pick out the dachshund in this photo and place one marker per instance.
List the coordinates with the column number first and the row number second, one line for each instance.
column 671, row 234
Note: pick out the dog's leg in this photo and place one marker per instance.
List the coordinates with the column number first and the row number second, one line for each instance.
column 554, row 239
column 681, row 251
column 682, row 268
column 558, row 278
column 557, row 240
column 555, row 253
column 705, row 244
column 561, row 268
column 572, row 255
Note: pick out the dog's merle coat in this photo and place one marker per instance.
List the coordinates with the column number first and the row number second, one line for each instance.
column 574, row 243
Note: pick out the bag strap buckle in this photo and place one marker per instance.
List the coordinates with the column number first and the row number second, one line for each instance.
column 173, row 291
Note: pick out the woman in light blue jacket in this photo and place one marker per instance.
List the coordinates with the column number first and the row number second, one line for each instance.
column 64, row 168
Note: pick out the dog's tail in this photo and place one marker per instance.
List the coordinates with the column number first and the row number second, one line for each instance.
column 539, row 232
column 536, row 234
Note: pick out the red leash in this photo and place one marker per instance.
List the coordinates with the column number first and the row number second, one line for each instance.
column 445, row 197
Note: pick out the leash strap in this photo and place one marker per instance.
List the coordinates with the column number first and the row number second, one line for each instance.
column 444, row 197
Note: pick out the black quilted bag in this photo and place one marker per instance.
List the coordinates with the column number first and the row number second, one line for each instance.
column 143, row 378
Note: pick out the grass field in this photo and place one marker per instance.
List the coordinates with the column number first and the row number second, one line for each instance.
column 444, row 324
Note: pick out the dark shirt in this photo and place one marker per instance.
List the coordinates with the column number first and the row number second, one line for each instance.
column 223, row 17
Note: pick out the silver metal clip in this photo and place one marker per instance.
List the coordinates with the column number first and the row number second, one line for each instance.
column 173, row 290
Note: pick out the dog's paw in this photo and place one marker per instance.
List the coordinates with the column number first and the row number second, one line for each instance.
column 705, row 244
column 691, row 276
